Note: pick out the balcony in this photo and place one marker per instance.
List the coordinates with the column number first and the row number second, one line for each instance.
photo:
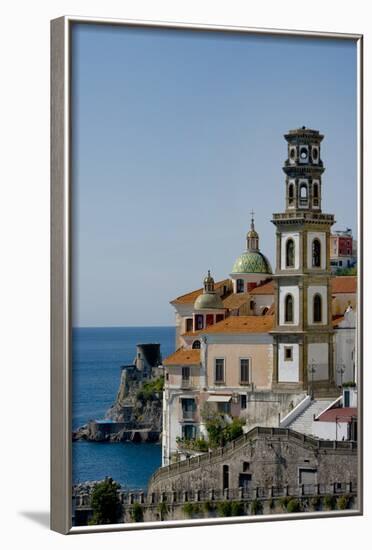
column 187, row 384
column 188, row 415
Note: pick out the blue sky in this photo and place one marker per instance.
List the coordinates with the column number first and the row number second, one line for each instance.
column 177, row 135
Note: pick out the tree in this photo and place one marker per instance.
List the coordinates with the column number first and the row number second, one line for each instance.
column 105, row 502
column 220, row 427
column 137, row 512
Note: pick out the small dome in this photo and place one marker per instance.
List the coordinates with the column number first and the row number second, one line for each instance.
column 252, row 262
column 208, row 300
column 252, row 234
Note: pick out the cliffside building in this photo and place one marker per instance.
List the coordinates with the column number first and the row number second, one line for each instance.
column 259, row 344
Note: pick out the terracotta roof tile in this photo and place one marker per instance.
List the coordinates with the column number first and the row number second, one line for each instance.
column 234, row 301
column 242, row 324
column 183, row 357
column 344, row 284
column 265, row 288
column 190, row 297
column 343, row 414
column 337, row 319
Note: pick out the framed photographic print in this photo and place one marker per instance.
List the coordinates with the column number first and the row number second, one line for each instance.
column 206, row 274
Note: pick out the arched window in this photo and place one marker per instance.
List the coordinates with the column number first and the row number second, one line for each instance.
column 316, row 252
column 291, row 193
column 317, row 308
column 315, row 194
column 239, row 285
column 289, row 253
column 196, row 344
column 288, row 308
column 303, row 192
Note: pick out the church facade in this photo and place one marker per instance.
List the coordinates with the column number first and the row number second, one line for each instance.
column 258, row 344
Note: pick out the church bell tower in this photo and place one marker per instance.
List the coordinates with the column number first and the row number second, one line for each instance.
column 303, row 334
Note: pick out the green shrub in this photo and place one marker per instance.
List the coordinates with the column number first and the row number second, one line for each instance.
column 224, row 508
column 163, row 510
column 105, row 502
column 271, row 503
column 220, row 428
column 191, row 509
column 329, row 502
column 315, row 502
column 256, row 507
column 150, row 389
column 237, row 508
column 283, row 501
column 343, row 502
column 137, row 512
column 208, row 506
column 293, row 506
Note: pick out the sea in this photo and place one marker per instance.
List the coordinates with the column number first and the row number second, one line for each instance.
column 97, row 354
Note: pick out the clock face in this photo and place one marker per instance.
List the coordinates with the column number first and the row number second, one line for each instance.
column 303, row 153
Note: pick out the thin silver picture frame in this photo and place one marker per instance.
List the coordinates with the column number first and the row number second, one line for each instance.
column 61, row 295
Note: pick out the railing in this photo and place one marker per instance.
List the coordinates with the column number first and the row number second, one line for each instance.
column 186, row 384
column 303, row 216
column 188, row 415
column 128, row 498
column 215, row 455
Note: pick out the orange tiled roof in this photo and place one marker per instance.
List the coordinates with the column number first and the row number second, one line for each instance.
column 337, row 319
column 265, row 288
column 190, row 297
column 234, row 301
column 183, row 357
column 340, row 284
column 242, row 324
column 344, row 284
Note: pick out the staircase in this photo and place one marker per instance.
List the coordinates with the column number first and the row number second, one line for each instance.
column 303, row 423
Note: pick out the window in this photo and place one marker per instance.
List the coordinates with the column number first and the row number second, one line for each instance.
column 243, row 401
column 317, row 308
column 198, row 322
column 289, row 253
column 209, row 319
column 225, row 476
column 189, row 325
column 288, row 353
column 219, row 371
column 303, row 192
column 239, row 285
column 315, row 194
column 245, row 466
column 224, row 408
column 316, row 248
column 288, row 308
column 185, row 374
column 291, row 193
column 219, row 317
column 196, row 344
column 307, row 476
column 265, row 310
column 244, row 371
column 188, row 431
column 188, row 409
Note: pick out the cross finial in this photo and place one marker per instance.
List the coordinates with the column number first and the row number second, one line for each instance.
column 252, row 219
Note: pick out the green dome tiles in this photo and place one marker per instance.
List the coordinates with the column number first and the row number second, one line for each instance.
column 252, row 262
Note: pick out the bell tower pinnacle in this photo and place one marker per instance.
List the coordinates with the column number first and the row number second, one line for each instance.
column 252, row 236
